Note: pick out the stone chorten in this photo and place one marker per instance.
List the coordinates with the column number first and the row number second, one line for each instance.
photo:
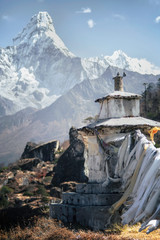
column 119, row 115
column 119, row 104
column 118, row 82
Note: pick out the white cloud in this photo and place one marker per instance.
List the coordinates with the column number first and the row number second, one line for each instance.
column 5, row 17
column 119, row 16
column 85, row 10
column 91, row 23
column 157, row 20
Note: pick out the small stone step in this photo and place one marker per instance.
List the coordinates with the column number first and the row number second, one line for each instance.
column 98, row 188
column 84, row 199
column 94, row 217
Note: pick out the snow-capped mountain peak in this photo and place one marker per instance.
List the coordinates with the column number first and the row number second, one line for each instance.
column 118, row 54
column 43, row 20
column 118, row 59
column 121, row 60
column 39, row 67
column 39, row 23
column 41, row 27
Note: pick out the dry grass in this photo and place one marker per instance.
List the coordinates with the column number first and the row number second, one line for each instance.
column 132, row 231
column 49, row 229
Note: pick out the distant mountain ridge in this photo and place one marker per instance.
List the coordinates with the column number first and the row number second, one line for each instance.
column 121, row 60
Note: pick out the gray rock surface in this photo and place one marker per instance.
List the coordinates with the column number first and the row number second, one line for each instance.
column 44, row 152
column 70, row 166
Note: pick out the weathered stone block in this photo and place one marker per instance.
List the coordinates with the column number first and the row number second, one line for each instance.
column 63, row 212
column 95, row 217
column 81, row 199
column 96, row 188
column 90, row 188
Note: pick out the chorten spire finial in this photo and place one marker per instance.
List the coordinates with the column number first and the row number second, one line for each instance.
column 118, row 82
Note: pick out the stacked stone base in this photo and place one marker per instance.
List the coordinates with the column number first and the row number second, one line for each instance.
column 88, row 206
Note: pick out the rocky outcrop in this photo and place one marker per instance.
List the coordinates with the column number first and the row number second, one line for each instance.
column 45, row 152
column 70, row 166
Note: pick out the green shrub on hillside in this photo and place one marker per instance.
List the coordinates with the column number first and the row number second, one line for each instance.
column 45, row 199
column 47, row 179
column 42, row 191
column 6, row 190
column 2, row 169
column 3, row 201
column 29, row 194
column 29, row 191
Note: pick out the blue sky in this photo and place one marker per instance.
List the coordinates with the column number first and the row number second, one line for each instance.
column 91, row 27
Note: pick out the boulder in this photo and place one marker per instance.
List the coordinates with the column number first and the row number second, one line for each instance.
column 45, row 152
column 70, row 166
